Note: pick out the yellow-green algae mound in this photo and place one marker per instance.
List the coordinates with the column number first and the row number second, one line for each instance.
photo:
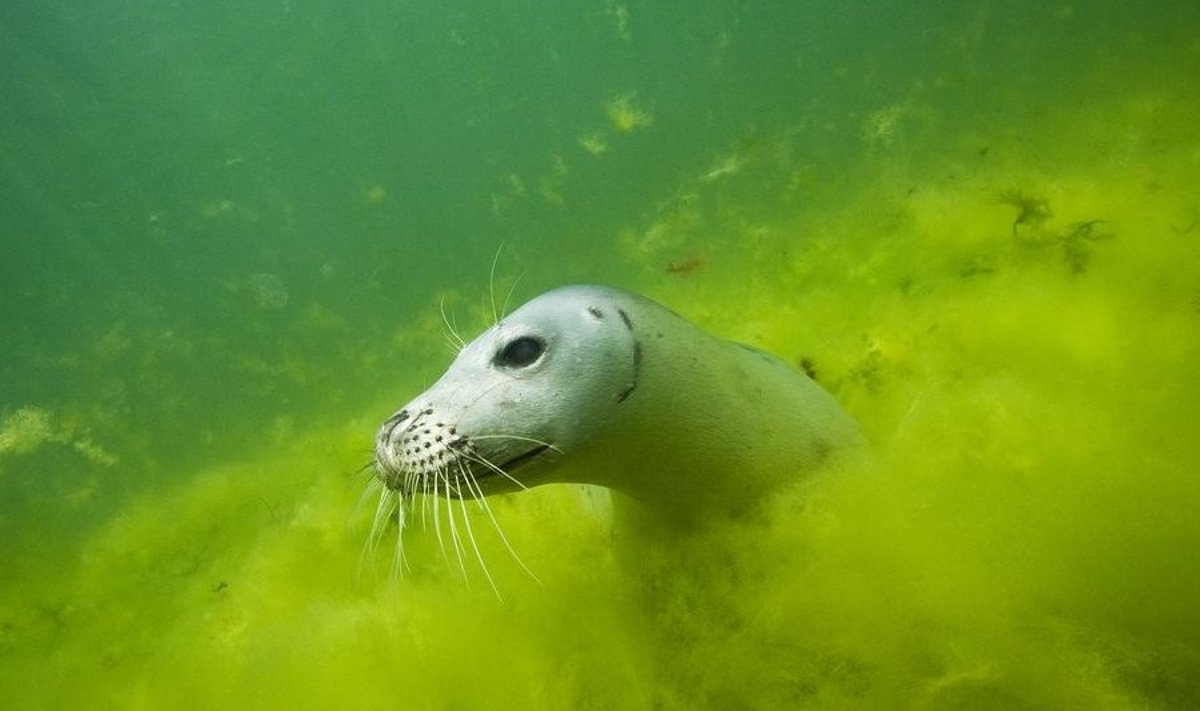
column 1019, row 341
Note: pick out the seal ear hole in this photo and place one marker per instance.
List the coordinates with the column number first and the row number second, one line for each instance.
column 520, row 352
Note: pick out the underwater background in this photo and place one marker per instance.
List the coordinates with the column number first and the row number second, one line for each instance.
column 230, row 228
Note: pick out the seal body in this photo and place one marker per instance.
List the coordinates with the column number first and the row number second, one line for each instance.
column 596, row 385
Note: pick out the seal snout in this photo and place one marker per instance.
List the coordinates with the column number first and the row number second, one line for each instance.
column 413, row 445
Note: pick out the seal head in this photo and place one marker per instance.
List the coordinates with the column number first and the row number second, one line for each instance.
column 535, row 386
column 596, row 385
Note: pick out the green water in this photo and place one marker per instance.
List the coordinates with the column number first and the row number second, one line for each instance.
column 228, row 228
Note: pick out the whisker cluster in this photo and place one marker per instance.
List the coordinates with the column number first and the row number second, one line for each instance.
column 428, row 494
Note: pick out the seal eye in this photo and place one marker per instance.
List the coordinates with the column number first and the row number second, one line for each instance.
column 521, row 352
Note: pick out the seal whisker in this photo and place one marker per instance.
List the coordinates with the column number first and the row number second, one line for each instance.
column 455, row 537
column 383, row 513
column 399, row 562
column 369, row 489
column 483, row 504
column 378, row 524
column 426, row 496
column 462, row 501
column 492, row 284
column 542, row 446
column 508, row 297
column 437, row 516
column 518, row 438
column 452, row 335
column 499, row 470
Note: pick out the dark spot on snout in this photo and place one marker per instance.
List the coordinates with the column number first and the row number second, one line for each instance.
column 595, row 311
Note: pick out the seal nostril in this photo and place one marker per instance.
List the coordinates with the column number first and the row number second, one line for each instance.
column 395, row 424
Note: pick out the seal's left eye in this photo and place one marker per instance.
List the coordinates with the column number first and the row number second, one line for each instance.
column 521, row 352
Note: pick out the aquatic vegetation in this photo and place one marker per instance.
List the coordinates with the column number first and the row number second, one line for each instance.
column 25, row 430
column 723, row 167
column 1025, row 360
column 687, row 266
column 551, row 184
column 374, row 195
column 219, row 208
column 881, row 128
column 675, row 219
column 1032, row 229
column 30, row 428
column 668, row 231
column 1032, row 210
column 515, row 184
column 93, row 452
column 1076, row 241
column 620, row 16
column 595, row 143
column 625, row 116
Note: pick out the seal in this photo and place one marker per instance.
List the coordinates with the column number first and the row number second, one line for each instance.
column 596, row 385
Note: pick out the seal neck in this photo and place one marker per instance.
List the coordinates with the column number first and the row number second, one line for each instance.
column 715, row 428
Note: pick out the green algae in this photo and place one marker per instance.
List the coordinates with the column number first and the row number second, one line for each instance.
column 1024, row 538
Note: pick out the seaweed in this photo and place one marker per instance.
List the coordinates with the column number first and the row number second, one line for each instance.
column 1032, row 210
column 869, row 372
column 1075, row 242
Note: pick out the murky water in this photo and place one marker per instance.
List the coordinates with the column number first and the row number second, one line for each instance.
column 230, row 232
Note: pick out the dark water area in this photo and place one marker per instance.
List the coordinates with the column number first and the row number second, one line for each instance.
column 229, row 229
